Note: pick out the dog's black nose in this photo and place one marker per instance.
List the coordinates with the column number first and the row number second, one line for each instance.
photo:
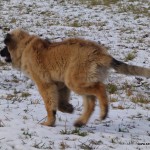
column 7, row 38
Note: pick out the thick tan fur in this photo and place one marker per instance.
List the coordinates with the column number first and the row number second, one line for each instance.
column 57, row 68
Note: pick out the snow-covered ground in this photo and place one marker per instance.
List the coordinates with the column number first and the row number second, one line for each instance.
column 124, row 27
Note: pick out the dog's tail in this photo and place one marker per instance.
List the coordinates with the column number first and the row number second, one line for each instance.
column 124, row 68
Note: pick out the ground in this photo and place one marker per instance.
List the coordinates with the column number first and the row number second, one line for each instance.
column 123, row 27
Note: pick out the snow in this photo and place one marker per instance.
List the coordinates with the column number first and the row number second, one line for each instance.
column 21, row 106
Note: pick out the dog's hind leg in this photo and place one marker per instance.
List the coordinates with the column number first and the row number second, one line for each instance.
column 89, row 105
column 98, row 90
column 103, row 100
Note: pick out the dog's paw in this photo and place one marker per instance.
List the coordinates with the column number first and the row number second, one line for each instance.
column 79, row 123
column 66, row 107
column 104, row 114
column 48, row 124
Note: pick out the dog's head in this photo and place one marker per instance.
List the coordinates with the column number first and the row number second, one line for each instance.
column 15, row 42
column 14, row 38
column 5, row 53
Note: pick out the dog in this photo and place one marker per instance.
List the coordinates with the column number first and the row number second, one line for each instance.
column 71, row 65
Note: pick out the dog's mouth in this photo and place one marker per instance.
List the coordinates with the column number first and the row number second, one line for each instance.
column 5, row 53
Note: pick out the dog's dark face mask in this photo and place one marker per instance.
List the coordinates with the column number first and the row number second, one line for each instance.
column 5, row 53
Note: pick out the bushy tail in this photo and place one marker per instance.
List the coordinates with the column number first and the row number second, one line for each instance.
column 124, row 68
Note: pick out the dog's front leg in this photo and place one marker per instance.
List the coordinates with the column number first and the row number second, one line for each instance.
column 49, row 94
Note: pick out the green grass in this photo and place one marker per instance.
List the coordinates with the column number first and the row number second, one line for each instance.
column 76, row 24
column 130, row 56
column 98, row 2
column 112, row 88
column 42, row 145
column 25, row 94
column 63, row 145
column 113, row 100
column 140, row 99
column 135, row 9
column 76, row 131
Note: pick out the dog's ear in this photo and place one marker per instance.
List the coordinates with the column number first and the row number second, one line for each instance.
column 40, row 44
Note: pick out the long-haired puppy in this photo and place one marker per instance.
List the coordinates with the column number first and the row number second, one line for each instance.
column 60, row 67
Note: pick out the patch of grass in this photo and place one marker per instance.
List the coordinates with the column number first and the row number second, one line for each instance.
column 10, row 96
column 108, row 2
column 128, row 88
column 126, row 85
column 127, row 30
column 123, row 130
column 129, row 92
column 139, row 115
column 113, row 100
column 94, row 2
column 107, row 123
column 35, row 102
column 41, row 145
column 118, row 107
column 76, row 24
column 15, row 79
column 112, row 88
column 130, row 56
column 90, row 145
column 94, row 142
column 63, row 145
column 140, row 99
column 25, row 94
column 25, row 117
column 135, row 9
column 72, row 33
column 27, row 134
column 99, row 2
column 76, row 131
column 13, row 20
column 65, row 131
column 113, row 140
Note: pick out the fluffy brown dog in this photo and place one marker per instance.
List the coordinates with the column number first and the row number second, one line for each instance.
column 74, row 64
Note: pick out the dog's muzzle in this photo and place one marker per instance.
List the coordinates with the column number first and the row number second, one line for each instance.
column 7, row 38
column 5, row 53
